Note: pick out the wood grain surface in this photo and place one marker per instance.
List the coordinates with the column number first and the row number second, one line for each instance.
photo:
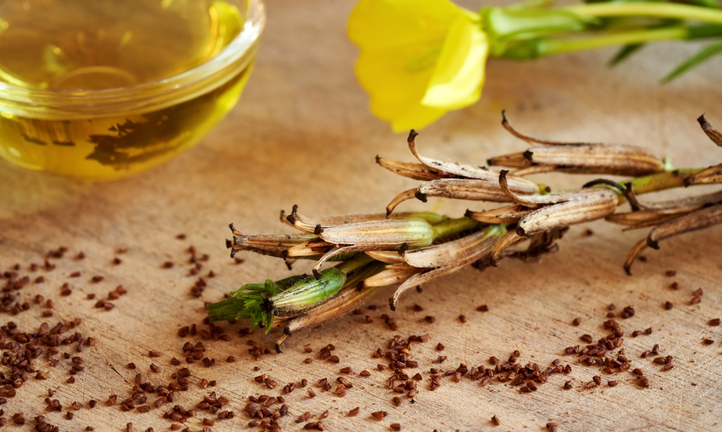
column 302, row 134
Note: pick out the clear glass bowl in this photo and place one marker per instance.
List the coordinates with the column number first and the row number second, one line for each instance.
column 102, row 89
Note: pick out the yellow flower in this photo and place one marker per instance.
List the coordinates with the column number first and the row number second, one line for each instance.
column 419, row 58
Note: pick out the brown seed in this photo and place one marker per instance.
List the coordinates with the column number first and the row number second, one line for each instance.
column 129, row 427
column 552, row 427
column 311, row 393
column 154, row 353
column 440, row 347
column 707, row 341
column 354, row 412
column 417, row 308
column 668, row 305
column 495, row 420
column 667, row 367
column 365, row 373
column 308, row 349
column 154, row 367
column 698, row 292
column 670, row 273
column 462, row 318
column 568, row 385
column 346, row 370
column 612, row 383
column 379, row 415
column 587, row 338
column 576, row 321
column 96, row 279
column 430, row 319
column 483, row 308
column 714, row 322
column 131, row 366
column 168, row 264
column 395, row 426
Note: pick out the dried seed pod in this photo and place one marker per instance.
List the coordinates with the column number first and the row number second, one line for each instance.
column 393, row 275
column 482, row 250
column 273, row 245
column 388, row 257
column 508, row 214
column 511, row 160
column 711, row 175
column 586, row 206
column 699, row 219
column 316, row 226
column 695, row 220
column 451, row 252
column 585, row 158
column 657, row 213
column 464, row 189
column 412, row 170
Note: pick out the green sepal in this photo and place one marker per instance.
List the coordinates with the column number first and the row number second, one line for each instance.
column 508, row 27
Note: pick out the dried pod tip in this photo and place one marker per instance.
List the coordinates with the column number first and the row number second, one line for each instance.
column 229, row 244
column 292, row 217
column 278, row 348
column 702, row 121
column 317, row 274
column 528, row 155
column 391, row 304
column 412, row 135
column 421, row 196
column 318, row 230
column 653, row 244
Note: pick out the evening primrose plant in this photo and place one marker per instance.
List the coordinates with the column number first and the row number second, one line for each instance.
column 422, row 58
column 410, row 249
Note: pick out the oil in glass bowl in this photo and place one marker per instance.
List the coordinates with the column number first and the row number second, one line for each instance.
column 101, row 89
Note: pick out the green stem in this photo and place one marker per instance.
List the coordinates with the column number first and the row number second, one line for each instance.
column 453, row 226
column 645, row 9
column 348, row 266
column 660, row 181
column 550, row 46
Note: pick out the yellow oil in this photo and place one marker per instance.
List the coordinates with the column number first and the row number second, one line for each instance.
column 81, row 45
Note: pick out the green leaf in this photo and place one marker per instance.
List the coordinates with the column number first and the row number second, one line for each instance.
column 701, row 56
column 624, row 53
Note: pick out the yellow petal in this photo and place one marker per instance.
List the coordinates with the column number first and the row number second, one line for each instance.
column 402, row 43
column 378, row 24
column 459, row 73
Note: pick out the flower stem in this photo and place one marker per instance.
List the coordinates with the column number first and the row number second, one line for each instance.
column 646, row 9
column 550, row 46
column 453, row 226
column 661, row 181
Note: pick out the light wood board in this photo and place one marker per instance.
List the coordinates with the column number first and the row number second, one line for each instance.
column 302, row 134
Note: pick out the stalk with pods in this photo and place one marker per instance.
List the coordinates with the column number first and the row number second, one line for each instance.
column 410, row 249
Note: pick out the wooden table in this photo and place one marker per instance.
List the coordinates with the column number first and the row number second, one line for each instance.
column 302, row 134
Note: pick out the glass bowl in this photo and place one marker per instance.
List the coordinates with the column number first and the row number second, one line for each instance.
column 102, row 89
